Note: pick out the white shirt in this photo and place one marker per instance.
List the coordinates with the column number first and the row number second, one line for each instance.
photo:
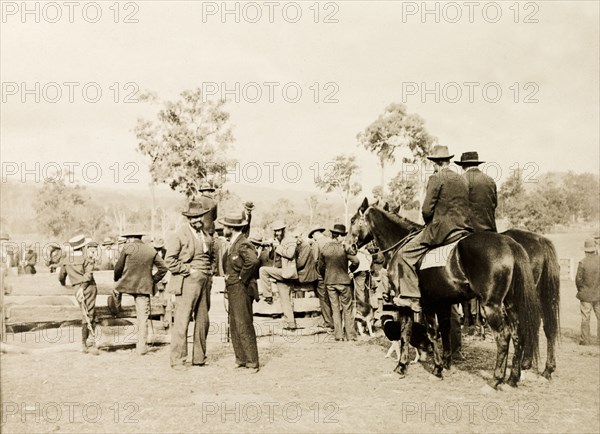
column 199, row 236
column 234, row 237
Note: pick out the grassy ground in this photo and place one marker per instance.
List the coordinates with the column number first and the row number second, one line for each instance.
column 307, row 384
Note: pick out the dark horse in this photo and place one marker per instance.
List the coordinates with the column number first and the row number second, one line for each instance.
column 492, row 267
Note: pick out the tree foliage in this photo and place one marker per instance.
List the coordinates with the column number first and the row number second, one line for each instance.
column 402, row 194
column 188, row 142
column 341, row 178
column 396, row 128
column 62, row 210
column 555, row 199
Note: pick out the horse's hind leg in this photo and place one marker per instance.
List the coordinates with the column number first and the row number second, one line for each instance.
column 443, row 315
column 434, row 337
column 406, row 330
column 502, row 333
column 519, row 345
column 550, row 357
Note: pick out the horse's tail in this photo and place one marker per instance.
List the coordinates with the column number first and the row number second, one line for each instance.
column 549, row 291
column 526, row 301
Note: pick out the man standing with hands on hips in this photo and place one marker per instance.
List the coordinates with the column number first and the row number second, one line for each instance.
column 190, row 259
column 241, row 264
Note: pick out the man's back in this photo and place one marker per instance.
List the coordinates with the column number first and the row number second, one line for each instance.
column 333, row 264
column 588, row 279
column 305, row 263
column 446, row 206
column 482, row 200
column 133, row 270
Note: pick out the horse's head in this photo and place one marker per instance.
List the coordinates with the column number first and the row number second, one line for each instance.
column 359, row 233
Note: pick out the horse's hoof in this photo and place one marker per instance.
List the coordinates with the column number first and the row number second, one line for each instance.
column 433, row 377
column 512, row 383
column 400, row 370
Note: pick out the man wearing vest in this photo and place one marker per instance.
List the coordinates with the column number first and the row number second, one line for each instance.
column 240, row 266
column 190, row 259
column 133, row 274
column 483, row 197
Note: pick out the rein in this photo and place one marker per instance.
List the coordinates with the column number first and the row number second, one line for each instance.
column 399, row 243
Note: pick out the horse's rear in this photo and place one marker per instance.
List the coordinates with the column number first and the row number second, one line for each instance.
column 546, row 272
column 499, row 272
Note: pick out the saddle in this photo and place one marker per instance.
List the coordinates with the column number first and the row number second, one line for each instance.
column 439, row 255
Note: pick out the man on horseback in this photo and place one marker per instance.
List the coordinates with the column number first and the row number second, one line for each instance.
column 445, row 212
column 483, row 197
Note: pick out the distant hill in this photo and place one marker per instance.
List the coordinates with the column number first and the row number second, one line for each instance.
column 17, row 211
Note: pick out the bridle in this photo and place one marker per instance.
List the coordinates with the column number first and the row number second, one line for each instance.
column 362, row 222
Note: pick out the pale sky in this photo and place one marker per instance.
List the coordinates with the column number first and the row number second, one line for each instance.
column 372, row 54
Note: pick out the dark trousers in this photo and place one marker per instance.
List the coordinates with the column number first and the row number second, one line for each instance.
column 341, row 299
column 88, row 309
column 194, row 298
column 325, row 304
column 243, row 336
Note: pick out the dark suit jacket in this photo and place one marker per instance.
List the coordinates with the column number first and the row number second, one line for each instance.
column 241, row 262
column 133, row 270
column 305, row 263
column 446, row 206
column 180, row 252
column 588, row 279
column 333, row 264
column 483, row 200
column 210, row 217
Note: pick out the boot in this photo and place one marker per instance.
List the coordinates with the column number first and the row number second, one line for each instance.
column 84, row 337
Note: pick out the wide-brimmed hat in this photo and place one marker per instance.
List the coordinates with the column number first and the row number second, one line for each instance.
column 339, row 228
column 316, row 229
column 440, row 153
column 234, row 220
column 257, row 241
column 205, row 186
column 590, row 245
column 195, row 209
column 79, row 241
column 249, row 206
column 121, row 240
column 159, row 244
column 133, row 234
column 470, row 158
column 278, row 225
column 92, row 244
column 4, row 237
column 108, row 241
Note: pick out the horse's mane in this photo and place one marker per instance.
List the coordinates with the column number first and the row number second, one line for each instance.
column 402, row 221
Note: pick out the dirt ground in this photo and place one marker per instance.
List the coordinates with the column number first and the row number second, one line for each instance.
column 306, row 384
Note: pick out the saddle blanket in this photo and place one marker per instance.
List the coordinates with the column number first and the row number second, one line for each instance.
column 438, row 257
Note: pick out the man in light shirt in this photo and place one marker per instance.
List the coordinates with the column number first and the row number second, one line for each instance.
column 190, row 257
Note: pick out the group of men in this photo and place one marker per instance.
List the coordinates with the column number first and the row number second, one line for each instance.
column 206, row 246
